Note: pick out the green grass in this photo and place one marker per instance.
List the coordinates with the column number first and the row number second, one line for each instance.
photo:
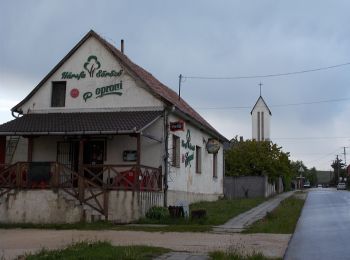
column 282, row 220
column 99, row 250
column 218, row 212
column 236, row 256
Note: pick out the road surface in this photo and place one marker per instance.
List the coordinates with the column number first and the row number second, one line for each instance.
column 323, row 230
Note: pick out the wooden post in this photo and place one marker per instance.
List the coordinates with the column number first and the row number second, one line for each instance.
column 2, row 149
column 81, row 170
column 30, row 149
column 106, row 203
column 138, row 161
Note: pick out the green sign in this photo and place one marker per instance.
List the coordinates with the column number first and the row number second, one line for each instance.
column 91, row 66
column 104, row 91
column 189, row 156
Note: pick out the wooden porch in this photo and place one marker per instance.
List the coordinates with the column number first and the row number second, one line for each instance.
column 90, row 185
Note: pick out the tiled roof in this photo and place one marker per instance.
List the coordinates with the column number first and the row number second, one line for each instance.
column 80, row 123
column 157, row 88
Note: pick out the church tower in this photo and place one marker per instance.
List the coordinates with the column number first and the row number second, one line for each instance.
column 261, row 116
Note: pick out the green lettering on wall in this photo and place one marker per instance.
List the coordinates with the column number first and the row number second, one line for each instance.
column 91, row 65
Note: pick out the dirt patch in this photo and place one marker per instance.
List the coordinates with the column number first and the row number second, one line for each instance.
column 14, row 242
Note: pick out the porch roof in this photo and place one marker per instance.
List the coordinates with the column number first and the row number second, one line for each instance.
column 80, row 123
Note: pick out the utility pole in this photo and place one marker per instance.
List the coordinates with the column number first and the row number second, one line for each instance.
column 337, row 180
column 345, row 154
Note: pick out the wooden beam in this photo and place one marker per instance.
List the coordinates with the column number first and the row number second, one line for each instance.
column 2, row 149
column 138, row 149
column 30, row 149
column 81, row 170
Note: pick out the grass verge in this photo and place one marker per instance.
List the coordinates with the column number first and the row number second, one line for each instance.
column 236, row 256
column 99, row 250
column 218, row 212
column 282, row 220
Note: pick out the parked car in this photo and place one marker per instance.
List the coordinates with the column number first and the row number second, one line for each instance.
column 319, row 186
column 307, row 184
column 341, row 186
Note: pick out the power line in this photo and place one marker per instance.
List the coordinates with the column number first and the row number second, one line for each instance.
column 268, row 75
column 311, row 138
column 280, row 105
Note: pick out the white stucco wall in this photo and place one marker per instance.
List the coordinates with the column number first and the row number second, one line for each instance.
column 133, row 93
column 45, row 148
column 261, row 107
column 185, row 179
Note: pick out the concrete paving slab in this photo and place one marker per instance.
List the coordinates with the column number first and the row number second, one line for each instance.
column 240, row 222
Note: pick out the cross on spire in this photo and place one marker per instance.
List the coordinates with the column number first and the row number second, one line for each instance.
column 260, row 84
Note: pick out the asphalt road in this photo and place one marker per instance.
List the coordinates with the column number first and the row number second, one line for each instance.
column 323, row 230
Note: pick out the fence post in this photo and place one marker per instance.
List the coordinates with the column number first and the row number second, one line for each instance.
column 105, row 203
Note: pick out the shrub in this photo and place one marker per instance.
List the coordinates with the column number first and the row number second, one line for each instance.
column 198, row 214
column 157, row 213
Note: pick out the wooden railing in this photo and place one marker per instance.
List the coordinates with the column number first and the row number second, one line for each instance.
column 90, row 185
column 55, row 175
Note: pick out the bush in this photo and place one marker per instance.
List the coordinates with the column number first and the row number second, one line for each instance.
column 198, row 214
column 157, row 213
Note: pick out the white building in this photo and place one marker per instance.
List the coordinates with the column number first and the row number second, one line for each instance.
column 105, row 131
column 261, row 117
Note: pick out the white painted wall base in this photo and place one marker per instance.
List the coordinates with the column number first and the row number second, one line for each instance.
column 48, row 206
column 190, row 197
column 38, row 206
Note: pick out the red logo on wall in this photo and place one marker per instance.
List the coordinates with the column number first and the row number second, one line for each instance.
column 74, row 93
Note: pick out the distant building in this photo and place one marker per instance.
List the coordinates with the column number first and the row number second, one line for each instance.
column 261, row 117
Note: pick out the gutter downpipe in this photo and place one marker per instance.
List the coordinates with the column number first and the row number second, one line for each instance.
column 166, row 158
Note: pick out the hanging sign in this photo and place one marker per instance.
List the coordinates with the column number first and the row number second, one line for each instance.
column 213, row 145
column 177, row 126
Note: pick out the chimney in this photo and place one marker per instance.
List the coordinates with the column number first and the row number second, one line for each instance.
column 241, row 138
column 122, row 46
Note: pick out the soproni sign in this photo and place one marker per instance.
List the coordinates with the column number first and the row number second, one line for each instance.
column 114, row 89
column 92, row 68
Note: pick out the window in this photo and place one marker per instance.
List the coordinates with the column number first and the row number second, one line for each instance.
column 198, row 159
column 58, row 95
column 215, row 165
column 176, row 151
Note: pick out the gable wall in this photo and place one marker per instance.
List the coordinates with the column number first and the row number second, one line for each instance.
column 133, row 93
column 185, row 178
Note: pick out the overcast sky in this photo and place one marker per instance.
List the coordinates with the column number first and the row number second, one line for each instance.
column 211, row 39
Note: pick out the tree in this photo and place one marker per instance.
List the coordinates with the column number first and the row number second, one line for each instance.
column 257, row 158
column 339, row 169
column 311, row 176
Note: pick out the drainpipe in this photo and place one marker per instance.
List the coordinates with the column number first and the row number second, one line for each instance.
column 166, row 157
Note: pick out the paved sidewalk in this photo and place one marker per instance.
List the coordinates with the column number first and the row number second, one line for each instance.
column 182, row 256
column 240, row 222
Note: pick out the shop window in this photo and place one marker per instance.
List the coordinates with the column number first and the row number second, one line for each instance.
column 215, row 165
column 176, row 151
column 198, row 159
column 58, row 94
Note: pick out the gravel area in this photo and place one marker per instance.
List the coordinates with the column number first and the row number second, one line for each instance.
column 15, row 242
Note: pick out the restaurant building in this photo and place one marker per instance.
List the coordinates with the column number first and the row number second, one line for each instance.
column 101, row 138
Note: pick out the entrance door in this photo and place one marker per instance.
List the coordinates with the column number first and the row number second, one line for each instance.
column 68, row 154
